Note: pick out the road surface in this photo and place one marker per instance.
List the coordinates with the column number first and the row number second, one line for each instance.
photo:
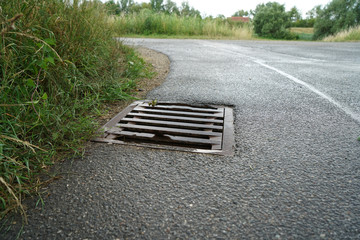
column 295, row 173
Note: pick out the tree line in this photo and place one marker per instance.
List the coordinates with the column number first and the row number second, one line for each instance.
column 269, row 20
column 169, row 7
column 272, row 21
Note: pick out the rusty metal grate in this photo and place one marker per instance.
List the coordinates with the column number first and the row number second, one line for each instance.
column 204, row 129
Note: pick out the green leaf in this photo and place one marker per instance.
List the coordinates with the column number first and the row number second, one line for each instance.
column 50, row 60
column 3, row 202
column 30, row 83
column 55, row 135
column 358, row 138
column 50, row 41
column 44, row 96
column 1, row 151
column 42, row 64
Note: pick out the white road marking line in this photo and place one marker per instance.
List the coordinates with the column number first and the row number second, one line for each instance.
column 353, row 115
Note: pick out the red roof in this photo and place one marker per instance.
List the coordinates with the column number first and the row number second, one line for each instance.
column 240, row 19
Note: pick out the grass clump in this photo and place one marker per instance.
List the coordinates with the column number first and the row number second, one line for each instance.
column 147, row 22
column 58, row 63
column 304, row 34
column 351, row 34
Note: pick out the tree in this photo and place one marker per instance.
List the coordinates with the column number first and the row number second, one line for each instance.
column 113, row 8
column 157, row 5
column 336, row 16
column 188, row 11
column 294, row 14
column 171, row 8
column 125, row 5
column 314, row 12
column 241, row 13
column 137, row 7
column 118, row 7
column 220, row 17
column 271, row 20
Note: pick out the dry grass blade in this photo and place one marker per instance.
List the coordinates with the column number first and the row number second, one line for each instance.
column 13, row 105
column 351, row 34
column 13, row 160
column 11, row 23
column 15, row 197
column 25, row 143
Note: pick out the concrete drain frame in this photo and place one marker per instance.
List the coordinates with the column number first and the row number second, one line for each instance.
column 172, row 126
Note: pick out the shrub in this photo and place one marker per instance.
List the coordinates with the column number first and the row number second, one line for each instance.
column 338, row 15
column 271, row 21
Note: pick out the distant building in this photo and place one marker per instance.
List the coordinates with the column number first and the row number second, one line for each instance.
column 240, row 19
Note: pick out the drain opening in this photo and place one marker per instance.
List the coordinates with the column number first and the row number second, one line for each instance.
column 207, row 129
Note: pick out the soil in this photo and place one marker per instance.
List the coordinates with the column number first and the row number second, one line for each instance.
column 161, row 66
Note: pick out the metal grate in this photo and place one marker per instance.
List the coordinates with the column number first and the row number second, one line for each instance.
column 205, row 129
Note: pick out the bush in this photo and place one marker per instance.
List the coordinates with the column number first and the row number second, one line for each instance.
column 271, row 21
column 304, row 23
column 338, row 15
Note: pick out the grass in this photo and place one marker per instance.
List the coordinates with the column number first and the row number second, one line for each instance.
column 305, row 34
column 149, row 23
column 164, row 36
column 349, row 35
column 59, row 63
column 302, row 30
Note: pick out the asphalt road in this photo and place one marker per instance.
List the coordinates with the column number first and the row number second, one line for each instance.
column 295, row 173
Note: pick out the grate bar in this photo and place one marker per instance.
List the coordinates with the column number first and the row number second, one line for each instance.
column 168, row 138
column 167, row 117
column 162, row 130
column 181, row 108
column 171, row 124
column 181, row 113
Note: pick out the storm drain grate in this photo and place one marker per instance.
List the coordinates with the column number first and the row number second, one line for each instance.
column 165, row 125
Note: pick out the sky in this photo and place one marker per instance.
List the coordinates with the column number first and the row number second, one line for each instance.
column 229, row 7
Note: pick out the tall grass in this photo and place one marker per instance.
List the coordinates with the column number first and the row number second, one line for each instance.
column 304, row 34
column 352, row 34
column 149, row 23
column 58, row 63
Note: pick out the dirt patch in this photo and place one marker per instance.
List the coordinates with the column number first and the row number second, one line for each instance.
column 161, row 65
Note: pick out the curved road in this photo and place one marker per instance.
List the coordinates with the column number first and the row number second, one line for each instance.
column 295, row 173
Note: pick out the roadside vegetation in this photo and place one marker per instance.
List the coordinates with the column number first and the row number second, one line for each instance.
column 150, row 23
column 159, row 18
column 272, row 21
column 58, row 63
column 335, row 17
column 305, row 34
column 351, row 34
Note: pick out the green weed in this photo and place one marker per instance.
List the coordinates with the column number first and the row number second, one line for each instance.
column 59, row 63
column 305, row 36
